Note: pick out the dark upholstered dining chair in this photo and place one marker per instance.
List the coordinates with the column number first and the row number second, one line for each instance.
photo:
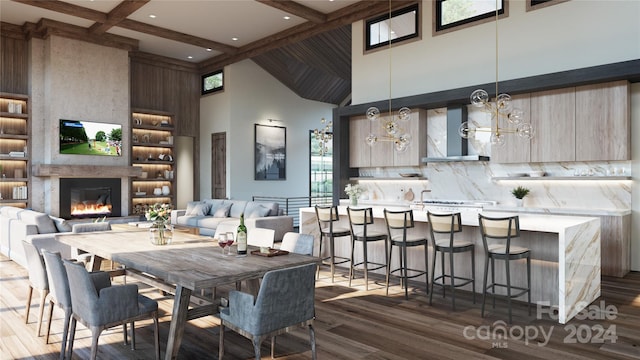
column 285, row 299
column 102, row 308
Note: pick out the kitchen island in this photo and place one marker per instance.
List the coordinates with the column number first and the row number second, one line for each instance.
column 565, row 254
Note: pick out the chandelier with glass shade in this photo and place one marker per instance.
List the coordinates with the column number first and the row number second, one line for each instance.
column 324, row 135
column 505, row 118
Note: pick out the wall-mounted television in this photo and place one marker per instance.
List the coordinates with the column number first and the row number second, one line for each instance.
column 79, row 137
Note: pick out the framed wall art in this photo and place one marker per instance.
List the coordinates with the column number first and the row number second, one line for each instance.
column 270, row 152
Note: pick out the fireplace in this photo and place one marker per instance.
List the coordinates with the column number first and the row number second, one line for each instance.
column 90, row 197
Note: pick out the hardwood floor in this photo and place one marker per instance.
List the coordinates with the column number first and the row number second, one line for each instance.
column 354, row 324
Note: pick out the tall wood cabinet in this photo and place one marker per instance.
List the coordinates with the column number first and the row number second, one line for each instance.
column 152, row 139
column 382, row 153
column 15, row 185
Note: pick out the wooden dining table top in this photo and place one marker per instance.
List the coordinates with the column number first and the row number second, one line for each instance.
column 191, row 261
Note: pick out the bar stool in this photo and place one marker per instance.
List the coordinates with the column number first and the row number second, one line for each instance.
column 327, row 215
column 449, row 224
column 502, row 230
column 359, row 220
column 403, row 220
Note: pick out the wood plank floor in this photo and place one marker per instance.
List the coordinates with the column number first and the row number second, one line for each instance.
column 356, row 324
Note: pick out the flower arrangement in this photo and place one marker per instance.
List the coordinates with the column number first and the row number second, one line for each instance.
column 353, row 190
column 158, row 213
column 520, row 192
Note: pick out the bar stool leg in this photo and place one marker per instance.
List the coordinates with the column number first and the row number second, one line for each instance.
column 529, row 283
column 320, row 255
column 508, row 289
column 444, row 288
column 332, row 258
column 473, row 273
column 484, row 284
column 364, row 263
column 493, row 282
column 353, row 244
column 389, row 268
column 453, row 286
column 404, row 273
column 433, row 273
column 426, row 268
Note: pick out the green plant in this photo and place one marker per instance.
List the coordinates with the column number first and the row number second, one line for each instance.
column 520, row 192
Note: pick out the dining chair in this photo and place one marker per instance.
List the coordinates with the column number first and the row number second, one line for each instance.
column 327, row 216
column 81, row 255
column 285, row 300
column 99, row 308
column 401, row 232
column 443, row 229
column 297, row 243
column 360, row 221
column 60, row 295
column 497, row 233
column 261, row 237
column 37, row 280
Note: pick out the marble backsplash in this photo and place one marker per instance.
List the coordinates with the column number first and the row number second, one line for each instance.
column 571, row 185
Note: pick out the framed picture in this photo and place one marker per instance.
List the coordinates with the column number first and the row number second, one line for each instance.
column 270, row 152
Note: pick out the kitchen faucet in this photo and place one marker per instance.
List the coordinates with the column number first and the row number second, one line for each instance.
column 422, row 197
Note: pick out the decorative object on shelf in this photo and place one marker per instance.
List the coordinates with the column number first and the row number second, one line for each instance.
column 270, row 152
column 146, row 138
column 520, row 192
column 137, row 121
column 165, row 190
column 354, row 191
column 157, row 191
column 500, row 110
column 161, row 232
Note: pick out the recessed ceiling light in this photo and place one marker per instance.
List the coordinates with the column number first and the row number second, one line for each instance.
column 152, row 16
column 208, row 49
column 189, row 57
column 287, row 17
column 234, row 38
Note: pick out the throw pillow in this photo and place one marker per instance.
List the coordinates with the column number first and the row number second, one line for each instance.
column 222, row 211
column 255, row 210
column 61, row 224
column 197, row 210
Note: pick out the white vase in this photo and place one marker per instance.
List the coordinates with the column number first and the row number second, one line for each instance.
column 165, row 190
column 519, row 202
column 157, row 191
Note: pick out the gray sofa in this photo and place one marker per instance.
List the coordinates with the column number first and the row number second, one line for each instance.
column 17, row 224
column 207, row 214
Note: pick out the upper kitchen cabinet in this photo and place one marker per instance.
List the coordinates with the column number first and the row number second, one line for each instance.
column 553, row 118
column 516, row 149
column 603, row 125
column 382, row 153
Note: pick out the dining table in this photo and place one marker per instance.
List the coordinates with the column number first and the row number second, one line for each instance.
column 189, row 264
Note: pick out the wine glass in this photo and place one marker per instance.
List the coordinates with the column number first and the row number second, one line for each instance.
column 222, row 241
column 230, row 241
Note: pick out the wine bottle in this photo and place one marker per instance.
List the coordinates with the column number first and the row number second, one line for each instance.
column 241, row 237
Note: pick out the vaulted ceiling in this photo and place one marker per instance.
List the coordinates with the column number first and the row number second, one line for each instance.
column 305, row 44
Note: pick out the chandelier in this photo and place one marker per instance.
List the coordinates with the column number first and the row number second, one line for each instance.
column 324, row 135
column 501, row 110
column 392, row 129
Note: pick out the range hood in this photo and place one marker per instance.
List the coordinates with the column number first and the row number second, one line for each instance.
column 456, row 145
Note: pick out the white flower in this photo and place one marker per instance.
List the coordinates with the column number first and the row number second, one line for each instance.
column 354, row 190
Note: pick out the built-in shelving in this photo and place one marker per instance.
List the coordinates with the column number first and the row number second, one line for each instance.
column 575, row 178
column 15, row 184
column 152, row 134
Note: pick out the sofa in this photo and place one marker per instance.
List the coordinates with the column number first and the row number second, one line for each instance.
column 17, row 224
column 207, row 214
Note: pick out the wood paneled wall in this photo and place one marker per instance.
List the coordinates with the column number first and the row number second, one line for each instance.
column 165, row 86
column 14, row 69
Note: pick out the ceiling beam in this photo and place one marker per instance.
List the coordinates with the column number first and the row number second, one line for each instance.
column 347, row 15
column 68, row 9
column 296, row 9
column 116, row 15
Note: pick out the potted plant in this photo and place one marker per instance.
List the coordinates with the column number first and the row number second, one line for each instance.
column 354, row 192
column 520, row 192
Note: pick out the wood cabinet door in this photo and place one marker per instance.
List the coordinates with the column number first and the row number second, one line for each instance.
column 553, row 118
column 515, row 149
column 603, row 124
column 416, row 126
column 382, row 152
column 359, row 151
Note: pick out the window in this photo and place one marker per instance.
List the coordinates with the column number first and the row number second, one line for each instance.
column 451, row 14
column 539, row 4
column 403, row 25
column 321, row 171
column 212, row 82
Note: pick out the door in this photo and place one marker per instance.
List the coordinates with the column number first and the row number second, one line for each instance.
column 219, row 165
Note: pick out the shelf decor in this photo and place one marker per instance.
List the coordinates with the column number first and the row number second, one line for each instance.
column 270, row 152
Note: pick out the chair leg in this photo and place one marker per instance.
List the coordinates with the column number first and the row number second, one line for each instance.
column 484, row 284
column 529, row 284
column 319, row 255
column 256, row 346
column 493, row 281
column 405, row 273
column 95, row 334
column 43, row 298
column 124, row 333
column 273, row 347
column 49, row 316
column 433, row 273
column 364, row 263
column 389, row 267
column 133, row 336
column 221, row 342
column 353, row 246
column 65, row 333
column 453, row 285
column 312, row 339
column 473, row 273
column 508, row 288
column 444, row 287
column 332, row 258
column 156, row 335
column 426, row 268
column 28, row 306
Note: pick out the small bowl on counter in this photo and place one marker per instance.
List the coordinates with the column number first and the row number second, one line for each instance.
column 537, row 174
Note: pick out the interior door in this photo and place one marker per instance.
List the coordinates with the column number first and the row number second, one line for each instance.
column 219, row 165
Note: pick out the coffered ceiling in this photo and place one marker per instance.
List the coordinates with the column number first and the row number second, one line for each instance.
column 306, row 44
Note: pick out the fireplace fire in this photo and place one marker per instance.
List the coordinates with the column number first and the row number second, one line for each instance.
column 89, row 197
